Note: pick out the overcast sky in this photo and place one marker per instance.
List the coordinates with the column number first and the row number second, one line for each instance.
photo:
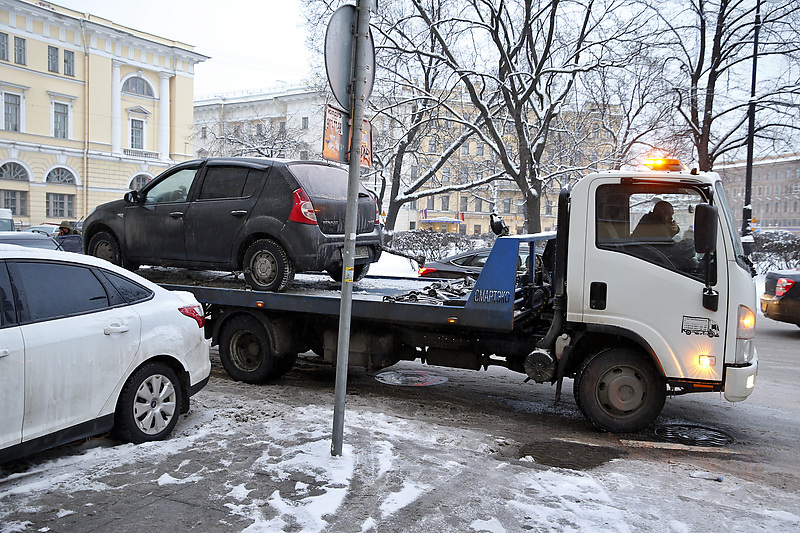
column 252, row 45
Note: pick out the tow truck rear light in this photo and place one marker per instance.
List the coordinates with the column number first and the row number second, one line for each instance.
column 425, row 270
column 196, row 312
column 663, row 163
column 783, row 286
column 302, row 209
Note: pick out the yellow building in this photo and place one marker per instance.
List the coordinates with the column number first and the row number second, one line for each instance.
column 90, row 109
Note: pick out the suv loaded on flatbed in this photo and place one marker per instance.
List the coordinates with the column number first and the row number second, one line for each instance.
column 267, row 218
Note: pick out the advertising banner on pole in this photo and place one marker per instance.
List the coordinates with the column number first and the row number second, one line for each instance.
column 336, row 138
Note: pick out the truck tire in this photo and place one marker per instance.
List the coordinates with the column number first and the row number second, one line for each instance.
column 359, row 271
column 254, row 352
column 149, row 405
column 267, row 266
column 619, row 390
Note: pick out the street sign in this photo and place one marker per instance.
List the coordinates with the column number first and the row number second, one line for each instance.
column 336, row 138
column 339, row 39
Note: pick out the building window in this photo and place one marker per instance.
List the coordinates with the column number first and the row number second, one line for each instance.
column 139, row 181
column 478, row 205
column 60, row 175
column 17, row 201
column 19, row 50
column 414, row 205
column 446, row 175
column 203, row 132
column 412, row 225
column 13, row 171
column 479, row 150
column 304, row 155
column 60, row 120
column 137, row 134
column 430, row 202
column 282, row 126
column 465, row 149
column 507, row 205
column 138, row 86
column 60, row 205
column 52, row 59
column 445, row 203
column 476, row 229
column 69, row 63
column 464, row 201
column 259, row 129
column 304, row 123
column 431, row 147
column 11, row 111
column 4, row 46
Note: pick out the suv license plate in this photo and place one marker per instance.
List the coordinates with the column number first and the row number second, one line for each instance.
column 362, row 252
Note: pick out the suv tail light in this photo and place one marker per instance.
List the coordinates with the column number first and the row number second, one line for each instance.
column 377, row 211
column 302, row 208
column 425, row 270
column 783, row 286
column 196, row 312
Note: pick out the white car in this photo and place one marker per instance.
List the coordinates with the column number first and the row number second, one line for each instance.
column 87, row 347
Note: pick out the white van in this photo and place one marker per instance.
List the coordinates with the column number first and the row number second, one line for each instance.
column 6, row 220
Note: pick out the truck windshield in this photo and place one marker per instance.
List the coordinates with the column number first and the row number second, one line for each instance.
column 730, row 223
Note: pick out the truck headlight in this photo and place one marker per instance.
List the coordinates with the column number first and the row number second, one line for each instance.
column 745, row 331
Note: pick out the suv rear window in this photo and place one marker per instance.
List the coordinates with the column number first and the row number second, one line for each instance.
column 320, row 181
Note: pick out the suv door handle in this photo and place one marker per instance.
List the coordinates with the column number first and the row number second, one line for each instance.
column 238, row 213
column 176, row 214
column 115, row 328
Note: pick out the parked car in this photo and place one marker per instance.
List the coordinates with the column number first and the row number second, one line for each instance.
column 29, row 239
column 267, row 218
column 781, row 298
column 51, row 230
column 87, row 347
column 464, row 264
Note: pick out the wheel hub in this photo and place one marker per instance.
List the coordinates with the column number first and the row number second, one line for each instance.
column 264, row 267
column 621, row 390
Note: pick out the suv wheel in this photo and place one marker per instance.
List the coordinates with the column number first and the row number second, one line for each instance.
column 149, row 405
column 267, row 266
column 105, row 246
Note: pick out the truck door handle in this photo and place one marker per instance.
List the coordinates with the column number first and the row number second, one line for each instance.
column 238, row 213
column 115, row 328
column 4, row 353
column 176, row 214
column 598, row 292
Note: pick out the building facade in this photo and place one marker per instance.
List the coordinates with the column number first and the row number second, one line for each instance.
column 775, row 192
column 90, row 109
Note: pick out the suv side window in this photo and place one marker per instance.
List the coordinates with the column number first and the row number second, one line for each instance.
column 173, row 188
column 229, row 182
column 55, row 290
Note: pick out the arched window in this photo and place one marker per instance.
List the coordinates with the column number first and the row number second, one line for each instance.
column 60, row 175
column 137, row 86
column 139, row 181
column 13, row 171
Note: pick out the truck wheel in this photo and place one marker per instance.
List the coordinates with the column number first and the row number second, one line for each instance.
column 245, row 350
column 620, row 391
column 149, row 405
column 284, row 365
column 359, row 271
column 267, row 266
column 105, row 246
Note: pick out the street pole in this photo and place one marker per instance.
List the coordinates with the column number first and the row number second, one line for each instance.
column 747, row 211
column 358, row 93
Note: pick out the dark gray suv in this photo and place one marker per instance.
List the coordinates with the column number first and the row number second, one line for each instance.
column 265, row 217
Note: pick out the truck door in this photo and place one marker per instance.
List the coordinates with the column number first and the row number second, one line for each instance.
column 642, row 274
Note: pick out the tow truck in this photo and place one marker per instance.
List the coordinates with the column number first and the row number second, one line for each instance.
column 620, row 314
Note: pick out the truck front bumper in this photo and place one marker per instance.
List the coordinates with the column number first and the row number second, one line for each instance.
column 740, row 380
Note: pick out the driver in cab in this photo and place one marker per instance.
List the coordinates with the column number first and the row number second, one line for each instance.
column 658, row 223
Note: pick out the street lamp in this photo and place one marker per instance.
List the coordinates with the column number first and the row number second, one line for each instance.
column 747, row 211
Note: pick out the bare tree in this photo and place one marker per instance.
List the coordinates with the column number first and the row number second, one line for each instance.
column 712, row 46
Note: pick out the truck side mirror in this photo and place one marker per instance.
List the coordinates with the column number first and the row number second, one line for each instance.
column 705, row 228
column 132, row 197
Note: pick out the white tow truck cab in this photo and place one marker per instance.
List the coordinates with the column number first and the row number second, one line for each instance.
column 658, row 294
